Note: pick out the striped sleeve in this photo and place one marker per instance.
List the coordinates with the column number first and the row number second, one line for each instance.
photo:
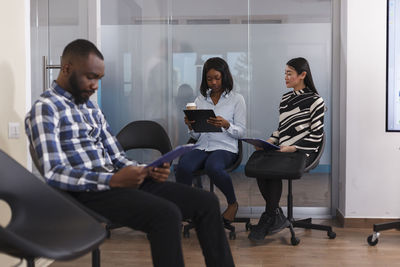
column 312, row 141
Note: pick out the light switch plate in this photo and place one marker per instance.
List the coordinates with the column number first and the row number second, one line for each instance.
column 13, row 130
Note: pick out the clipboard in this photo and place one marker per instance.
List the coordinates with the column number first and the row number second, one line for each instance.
column 260, row 143
column 171, row 155
column 200, row 116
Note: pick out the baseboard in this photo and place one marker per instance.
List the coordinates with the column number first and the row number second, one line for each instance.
column 359, row 222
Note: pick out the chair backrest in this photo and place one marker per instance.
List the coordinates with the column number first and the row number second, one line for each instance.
column 144, row 134
column 44, row 223
column 315, row 162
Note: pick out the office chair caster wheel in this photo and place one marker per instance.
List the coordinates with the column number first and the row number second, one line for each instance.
column 232, row 235
column 331, row 235
column 248, row 226
column 371, row 241
column 295, row 241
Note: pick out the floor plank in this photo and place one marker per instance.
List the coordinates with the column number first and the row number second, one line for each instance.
column 131, row 248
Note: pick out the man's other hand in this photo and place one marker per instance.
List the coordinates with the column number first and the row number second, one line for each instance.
column 130, row 176
column 160, row 174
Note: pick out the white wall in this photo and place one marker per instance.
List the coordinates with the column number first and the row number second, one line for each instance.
column 14, row 83
column 370, row 175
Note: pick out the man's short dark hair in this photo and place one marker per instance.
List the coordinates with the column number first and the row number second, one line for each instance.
column 80, row 48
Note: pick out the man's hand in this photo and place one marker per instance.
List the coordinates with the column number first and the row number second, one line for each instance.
column 160, row 174
column 288, row 149
column 130, row 176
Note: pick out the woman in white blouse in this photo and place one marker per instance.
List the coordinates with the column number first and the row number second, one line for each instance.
column 216, row 150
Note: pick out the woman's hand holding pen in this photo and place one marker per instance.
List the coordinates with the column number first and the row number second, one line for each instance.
column 219, row 122
column 188, row 123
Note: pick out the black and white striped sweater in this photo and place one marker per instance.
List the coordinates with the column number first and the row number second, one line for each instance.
column 301, row 121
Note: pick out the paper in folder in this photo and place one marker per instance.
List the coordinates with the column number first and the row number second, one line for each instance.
column 173, row 154
column 260, row 143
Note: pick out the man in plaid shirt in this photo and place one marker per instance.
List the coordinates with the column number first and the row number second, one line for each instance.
column 78, row 154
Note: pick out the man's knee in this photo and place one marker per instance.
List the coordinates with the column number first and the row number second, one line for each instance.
column 170, row 213
column 209, row 200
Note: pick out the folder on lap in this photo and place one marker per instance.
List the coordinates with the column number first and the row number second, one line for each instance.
column 200, row 117
column 173, row 154
column 260, row 143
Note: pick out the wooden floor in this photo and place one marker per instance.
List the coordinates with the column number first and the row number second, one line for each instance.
column 131, row 248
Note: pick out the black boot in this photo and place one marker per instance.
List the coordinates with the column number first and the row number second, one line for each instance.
column 259, row 231
column 279, row 222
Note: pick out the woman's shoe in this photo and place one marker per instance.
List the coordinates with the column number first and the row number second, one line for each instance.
column 230, row 213
column 259, row 231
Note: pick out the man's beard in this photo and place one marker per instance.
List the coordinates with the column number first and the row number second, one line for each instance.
column 75, row 91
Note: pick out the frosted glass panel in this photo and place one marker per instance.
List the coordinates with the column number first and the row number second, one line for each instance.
column 155, row 50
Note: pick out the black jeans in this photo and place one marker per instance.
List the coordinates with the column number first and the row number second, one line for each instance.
column 158, row 209
column 271, row 189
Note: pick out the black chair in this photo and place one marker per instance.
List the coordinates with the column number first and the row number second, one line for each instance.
column 198, row 174
column 305, row 223
column 142, row 135
column 95, row 215
column 374, row 238
column 44, row 223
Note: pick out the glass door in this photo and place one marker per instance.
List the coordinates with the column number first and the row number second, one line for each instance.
column 54, row 24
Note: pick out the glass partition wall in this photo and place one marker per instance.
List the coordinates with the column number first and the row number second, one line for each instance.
column 154, row 52
column 155, row 49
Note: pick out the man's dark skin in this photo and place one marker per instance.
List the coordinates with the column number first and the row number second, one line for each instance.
column 80, row 77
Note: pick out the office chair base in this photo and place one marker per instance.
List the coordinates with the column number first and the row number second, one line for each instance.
column 374, row 238
column 307, row 224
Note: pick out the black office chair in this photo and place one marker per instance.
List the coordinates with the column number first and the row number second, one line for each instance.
column 198, row 174
column 142, row 135
column 305, row 223
column 44, row 223
column 374, row 238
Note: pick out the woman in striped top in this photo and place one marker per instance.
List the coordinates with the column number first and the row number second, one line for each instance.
column 301, row 128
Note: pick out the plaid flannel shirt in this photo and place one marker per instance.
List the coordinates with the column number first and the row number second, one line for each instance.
column 73, row 143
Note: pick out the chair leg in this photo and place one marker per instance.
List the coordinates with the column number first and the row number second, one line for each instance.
column 306, row 224
column 30, row 262
column 386, row 226
column 96, row 257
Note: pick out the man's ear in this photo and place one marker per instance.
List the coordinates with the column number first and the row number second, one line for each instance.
column 66, row 68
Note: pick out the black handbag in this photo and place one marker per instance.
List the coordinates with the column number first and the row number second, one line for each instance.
column 275, row 165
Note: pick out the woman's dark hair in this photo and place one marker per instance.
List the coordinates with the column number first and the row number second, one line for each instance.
column 221, row 66
column 301, row 64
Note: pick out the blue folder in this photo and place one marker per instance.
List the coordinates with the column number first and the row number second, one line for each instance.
column 173, row 154
column 260, row 143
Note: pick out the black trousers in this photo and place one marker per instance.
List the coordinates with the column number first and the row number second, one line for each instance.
column 271, row 189
column 158, row 209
